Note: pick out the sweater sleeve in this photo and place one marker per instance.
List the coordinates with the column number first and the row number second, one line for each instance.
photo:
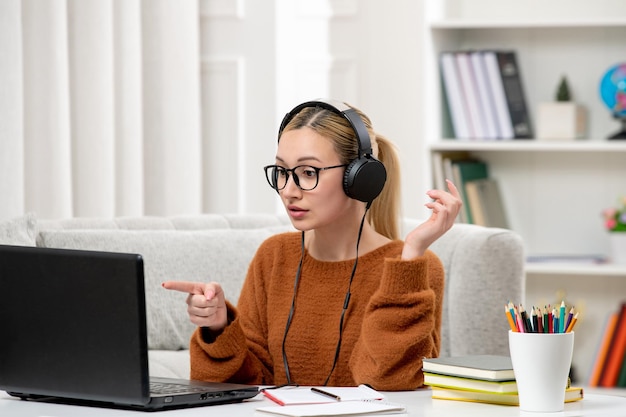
column 239, row 353
column 226, row 357
column 401, row 325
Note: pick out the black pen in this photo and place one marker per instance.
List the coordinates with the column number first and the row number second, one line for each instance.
column 326, row 394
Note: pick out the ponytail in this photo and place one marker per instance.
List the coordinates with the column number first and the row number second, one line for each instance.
column 384, row 214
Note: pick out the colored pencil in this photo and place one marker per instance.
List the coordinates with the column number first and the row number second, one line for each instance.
column 562, row 318
column 569, row 318
column 507, row 312
column 572, row 323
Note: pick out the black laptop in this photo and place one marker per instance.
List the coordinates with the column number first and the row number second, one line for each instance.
column 73, row 327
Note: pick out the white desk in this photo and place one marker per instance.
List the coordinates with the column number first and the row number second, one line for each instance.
column 418, row 403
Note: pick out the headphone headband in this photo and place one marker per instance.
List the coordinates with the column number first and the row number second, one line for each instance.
column 365, row 176
column 341, row 108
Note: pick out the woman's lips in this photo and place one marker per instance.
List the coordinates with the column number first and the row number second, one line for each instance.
column 296, row 212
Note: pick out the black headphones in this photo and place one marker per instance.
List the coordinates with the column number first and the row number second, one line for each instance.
column 365, row 176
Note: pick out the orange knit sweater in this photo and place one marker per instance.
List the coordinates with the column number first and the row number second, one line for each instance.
column 393, row 320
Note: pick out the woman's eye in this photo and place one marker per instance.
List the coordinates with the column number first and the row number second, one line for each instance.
column 309, row 172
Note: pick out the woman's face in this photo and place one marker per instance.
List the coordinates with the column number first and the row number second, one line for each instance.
column 327, row 203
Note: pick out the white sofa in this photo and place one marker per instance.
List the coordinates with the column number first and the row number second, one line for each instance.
column 484, row 269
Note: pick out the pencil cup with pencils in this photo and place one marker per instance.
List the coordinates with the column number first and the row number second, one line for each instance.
column 541, row 364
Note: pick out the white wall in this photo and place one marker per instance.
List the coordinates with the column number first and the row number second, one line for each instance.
column 168, row 108
column 363, row 52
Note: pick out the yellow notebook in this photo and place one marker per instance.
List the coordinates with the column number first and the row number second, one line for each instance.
column 571, row 394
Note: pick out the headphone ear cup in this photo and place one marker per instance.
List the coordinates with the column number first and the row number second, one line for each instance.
column 364, row 179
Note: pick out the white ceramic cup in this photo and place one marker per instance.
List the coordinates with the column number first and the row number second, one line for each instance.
column 541, row 363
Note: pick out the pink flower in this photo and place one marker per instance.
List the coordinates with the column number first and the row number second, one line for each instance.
column 615, row 218
column 610, row 223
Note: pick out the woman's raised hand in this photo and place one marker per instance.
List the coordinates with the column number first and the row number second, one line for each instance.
column 445, row 208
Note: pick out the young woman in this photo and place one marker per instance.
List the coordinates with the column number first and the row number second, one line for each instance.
column 342, row 301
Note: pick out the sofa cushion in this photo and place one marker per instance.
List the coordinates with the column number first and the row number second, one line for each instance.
column 210, row 255
column 19, row 231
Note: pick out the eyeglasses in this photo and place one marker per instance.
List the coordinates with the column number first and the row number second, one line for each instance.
column 306, row 177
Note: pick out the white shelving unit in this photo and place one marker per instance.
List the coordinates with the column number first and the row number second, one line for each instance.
column 553, row 191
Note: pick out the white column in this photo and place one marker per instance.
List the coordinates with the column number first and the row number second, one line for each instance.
column 46, row 109
column 171, row 99
column 129, row 193
column 11, row 115
column 92, row 116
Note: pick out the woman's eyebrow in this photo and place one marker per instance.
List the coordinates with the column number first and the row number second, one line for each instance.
column 301, row 159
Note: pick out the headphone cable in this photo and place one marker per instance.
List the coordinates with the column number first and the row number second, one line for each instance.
column 347, row 299
column 343, row 311
column 291, row 311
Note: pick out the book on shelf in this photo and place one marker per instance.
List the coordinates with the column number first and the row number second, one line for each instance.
column 616, row 352
column 454, row 96
column 439, row 173
column 462, row 172
column 603, row 349
column 496, row 87
column 485, row 203
column 485, row 95
column 473, row 384
column 469, row 89
column 571, row 394
column 487, row 367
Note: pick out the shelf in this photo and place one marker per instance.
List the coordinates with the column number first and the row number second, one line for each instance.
column 530, row 145
column 545, row 268
column 553, row 190
column 527, row 24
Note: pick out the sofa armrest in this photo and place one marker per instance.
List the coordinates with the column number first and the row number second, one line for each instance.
column 484, row 270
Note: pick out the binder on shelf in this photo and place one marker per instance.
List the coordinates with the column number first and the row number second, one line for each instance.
column 514, row 92
column 454, row 96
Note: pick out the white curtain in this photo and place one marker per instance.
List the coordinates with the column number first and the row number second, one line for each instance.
column 100, row 108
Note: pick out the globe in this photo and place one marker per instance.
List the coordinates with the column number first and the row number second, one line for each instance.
column 613, row 94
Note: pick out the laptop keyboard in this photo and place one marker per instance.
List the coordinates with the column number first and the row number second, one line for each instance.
column 161, row 388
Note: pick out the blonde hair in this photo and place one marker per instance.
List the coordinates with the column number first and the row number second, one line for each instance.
column 384, row 212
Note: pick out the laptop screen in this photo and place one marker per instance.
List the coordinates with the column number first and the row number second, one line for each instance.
column 75, row 324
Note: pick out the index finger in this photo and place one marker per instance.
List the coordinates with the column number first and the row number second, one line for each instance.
column 185, row 286
column 453, row 190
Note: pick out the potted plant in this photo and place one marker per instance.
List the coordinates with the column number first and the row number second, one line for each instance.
column 615, row 224
column 561, row 118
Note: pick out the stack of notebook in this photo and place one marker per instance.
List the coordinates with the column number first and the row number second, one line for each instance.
column 477, row 378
